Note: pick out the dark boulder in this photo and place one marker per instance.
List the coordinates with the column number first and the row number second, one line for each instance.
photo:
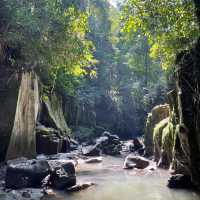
column 109, row 144
column 111, row 137
column 63, row 177
column 137, row 144
column 65, row 145
column 180, row 181
column 103, row 140
column 51, row 141
column 112, row 150
column 133, row 161
column 92, row 150
column 29, row 173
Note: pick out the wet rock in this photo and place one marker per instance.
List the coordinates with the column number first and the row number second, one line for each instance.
column 33, row 194
column 180, row 181
column 141, row 151
column 151, row 168
column 2, row 184
column 3, row 169
column 109, row 144
column 112, row 150
column 137, row 144
column 92, row 150
column 110, row 136
column 42, row 157
column 94, row 160
column 26, row 194
column 128, row 165
column 48, row 145
column 17, row 161
column 63, row 156
column 66, row 145
column 103, row 140
column 73, row 144
column 63, row 177
column 29, row 173
column 49, row 192
column 51, row 141
column 127, row 146
column 135, row 162
column 79, row 187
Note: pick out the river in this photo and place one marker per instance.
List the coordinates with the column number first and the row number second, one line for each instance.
column 114, row 183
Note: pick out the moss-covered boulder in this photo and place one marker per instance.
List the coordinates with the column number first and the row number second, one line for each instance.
column 157, row 114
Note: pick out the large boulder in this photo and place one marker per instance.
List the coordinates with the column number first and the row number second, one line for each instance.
column 50, row 141
column 92, row 150
column 157, row 114
column 180, row 181
column 62, row 177
column 133, row 161
column 109, row 144
column 137, row 144
column 28, row 173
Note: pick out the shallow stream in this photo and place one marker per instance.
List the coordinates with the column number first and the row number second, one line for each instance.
column 114, row 183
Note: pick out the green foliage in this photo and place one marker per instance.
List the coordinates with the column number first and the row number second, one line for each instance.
column 169, row 25
column 48, row 34
column 158, row 131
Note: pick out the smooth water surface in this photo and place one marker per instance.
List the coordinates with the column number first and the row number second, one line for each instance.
column 114, row 183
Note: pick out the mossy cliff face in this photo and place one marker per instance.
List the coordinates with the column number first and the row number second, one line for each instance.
column 178, row 140
column 188, row 97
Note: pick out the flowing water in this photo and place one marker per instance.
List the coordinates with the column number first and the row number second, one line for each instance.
column 114, row 183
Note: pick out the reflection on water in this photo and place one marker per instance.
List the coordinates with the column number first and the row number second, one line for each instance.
column 114, row 183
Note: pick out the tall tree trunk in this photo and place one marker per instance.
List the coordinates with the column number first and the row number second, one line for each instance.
column 23, row 140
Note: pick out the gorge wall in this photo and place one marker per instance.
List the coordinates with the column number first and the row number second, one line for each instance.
column 176, row 138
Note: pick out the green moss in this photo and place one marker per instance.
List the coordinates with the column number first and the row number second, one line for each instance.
column 158, row 130
column 168, row 139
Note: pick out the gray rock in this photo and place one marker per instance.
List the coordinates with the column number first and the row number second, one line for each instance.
column 63, row 177
column 180, row 181
column 94, row 160
column 136, row 162
column 79, row 187
column 28, row 173
column 92, row 150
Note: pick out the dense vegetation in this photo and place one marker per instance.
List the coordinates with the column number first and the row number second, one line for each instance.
column 170, row 26
column 104, row 61
column 127, row 82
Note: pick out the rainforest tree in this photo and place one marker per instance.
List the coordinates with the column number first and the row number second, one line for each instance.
column 170, row 26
